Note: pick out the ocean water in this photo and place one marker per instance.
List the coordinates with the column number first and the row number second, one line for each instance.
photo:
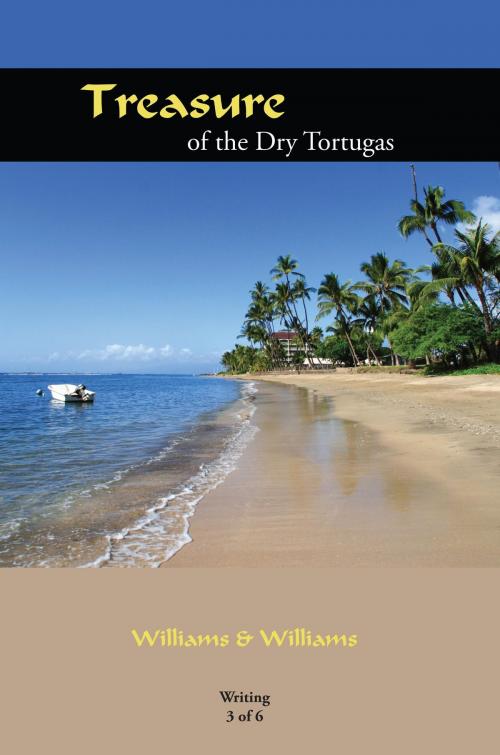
column 114, row 482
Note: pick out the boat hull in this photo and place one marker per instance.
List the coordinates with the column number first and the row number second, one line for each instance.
column 63, row 393
column 72, row 399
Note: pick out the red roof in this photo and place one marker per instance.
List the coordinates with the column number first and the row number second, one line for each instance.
column 284, row 335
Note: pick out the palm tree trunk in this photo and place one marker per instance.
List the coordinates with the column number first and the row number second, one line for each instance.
column 415, row 192
column 303, row 339
column 355, row 357
column 369, row 350
column 306, row 320
column 300, row 333
column 466, row 298
column 394, row 356
column 276, row 346
column 491, row 349
column 303, row 335
column 488, row 323
column 463, row 291
column 300, row 327
column 343, row 321
column 436, row 233
column 377, row 360
column 270, row 343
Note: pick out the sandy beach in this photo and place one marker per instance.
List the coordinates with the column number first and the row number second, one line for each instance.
column 360, row 470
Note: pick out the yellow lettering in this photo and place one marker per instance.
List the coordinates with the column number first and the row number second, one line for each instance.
column 220, row 110
column 122, row 101
column 249, row 101
column 200, row 106
column 145, row 637
column 142, row 109
column 97, row 90
column 276, row 99
column 273, row 637
column 174, row 107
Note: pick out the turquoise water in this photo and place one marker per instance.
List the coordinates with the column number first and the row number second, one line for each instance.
column 55, row 456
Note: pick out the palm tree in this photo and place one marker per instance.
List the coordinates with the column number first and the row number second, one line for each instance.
column 434, row 210
column 386, row 281
column 259, row 291
column 447, row 277
column 255, row 333
column 368, row 317
column 420, row 292
column 262, row 312
column 302, row 291
column 477, row 260
column 285, row 267
column 240, row 359
column 288, row 294
column 316, row 336
column 340, row 298
column 386, row 285
column 227, row 361
column 282, row 299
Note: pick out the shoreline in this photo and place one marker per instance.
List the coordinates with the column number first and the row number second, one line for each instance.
column 418, row 460
column 137, row 515
column 449, row 418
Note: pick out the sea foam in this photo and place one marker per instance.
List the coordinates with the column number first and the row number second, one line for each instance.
column 164, row 528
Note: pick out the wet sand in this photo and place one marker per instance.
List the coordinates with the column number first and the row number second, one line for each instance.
column 127, row 521
column 360, row 470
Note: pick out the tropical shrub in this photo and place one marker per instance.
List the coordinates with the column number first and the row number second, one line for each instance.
column 446, row 333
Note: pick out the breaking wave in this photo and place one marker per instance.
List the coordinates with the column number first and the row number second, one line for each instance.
column 164, row 529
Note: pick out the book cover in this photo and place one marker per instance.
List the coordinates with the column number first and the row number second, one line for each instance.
column 249, row 384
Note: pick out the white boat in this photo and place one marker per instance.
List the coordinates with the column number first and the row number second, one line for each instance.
column 71, row 393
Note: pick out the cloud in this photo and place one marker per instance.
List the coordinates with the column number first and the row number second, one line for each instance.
column 128, row 355
column 488, row 209
column 131, row 352
column 117, row 351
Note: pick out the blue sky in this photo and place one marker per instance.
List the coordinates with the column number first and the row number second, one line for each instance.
column 260, row 33
column 146, row 267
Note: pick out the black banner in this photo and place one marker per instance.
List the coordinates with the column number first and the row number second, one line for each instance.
column 249, row 114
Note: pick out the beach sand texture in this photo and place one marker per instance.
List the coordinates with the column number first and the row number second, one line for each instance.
column 360, row 470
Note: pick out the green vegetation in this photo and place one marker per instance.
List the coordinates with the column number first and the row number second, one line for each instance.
column 480, row 369
column 245, row 359
column 448, row 333
column 445, row 314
